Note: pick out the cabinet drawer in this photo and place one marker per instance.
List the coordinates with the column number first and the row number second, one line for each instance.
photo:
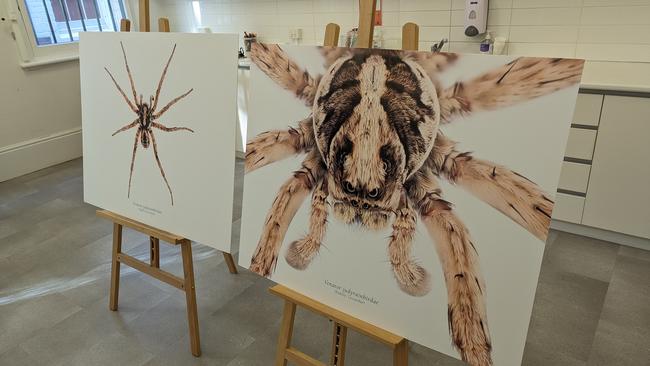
column 568, row 208
column 581, row 144
column 574, row 177
column 588, row 109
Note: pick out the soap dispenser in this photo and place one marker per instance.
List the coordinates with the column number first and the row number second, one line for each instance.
column 475, row 17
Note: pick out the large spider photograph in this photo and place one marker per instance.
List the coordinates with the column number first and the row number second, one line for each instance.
column 375, row 155
column 148, row 117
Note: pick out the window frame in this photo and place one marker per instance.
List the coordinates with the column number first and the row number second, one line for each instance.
column 31, row 54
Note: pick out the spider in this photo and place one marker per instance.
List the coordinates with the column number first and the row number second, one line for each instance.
column 148, row 117
column 374, row 152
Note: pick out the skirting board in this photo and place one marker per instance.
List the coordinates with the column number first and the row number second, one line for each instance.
column 600, row 234
column 32, row 155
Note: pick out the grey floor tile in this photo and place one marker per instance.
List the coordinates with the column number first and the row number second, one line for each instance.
column 17, row 356
column 539, row 355
column 115, row 349
column 620, row 346
column 21, row 320
column 566, row 313
column 583, row 256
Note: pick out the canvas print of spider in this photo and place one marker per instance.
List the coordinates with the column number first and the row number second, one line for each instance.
column 147, row 117
column 158, row 111
column 374, row 155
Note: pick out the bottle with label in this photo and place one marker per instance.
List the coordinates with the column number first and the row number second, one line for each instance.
column 486, row 44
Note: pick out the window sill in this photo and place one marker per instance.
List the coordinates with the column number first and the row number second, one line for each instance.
column 48, row 60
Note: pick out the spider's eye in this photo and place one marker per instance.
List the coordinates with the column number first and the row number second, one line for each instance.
column 349, row 187
column 373, row 193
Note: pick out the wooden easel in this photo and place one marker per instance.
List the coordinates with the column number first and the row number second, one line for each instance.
column 186, row 283
column 293, row 299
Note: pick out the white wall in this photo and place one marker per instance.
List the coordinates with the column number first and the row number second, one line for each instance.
column 40, row 112
column 607, row 30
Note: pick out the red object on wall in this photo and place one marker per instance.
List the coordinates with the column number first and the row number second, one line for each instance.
column 378, row 13
column 73, row 9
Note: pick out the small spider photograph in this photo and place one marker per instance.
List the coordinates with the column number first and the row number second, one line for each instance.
column 158, row 110
column 413, row 190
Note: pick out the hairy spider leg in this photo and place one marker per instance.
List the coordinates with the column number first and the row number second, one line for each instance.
column 302, row 252
column 410, row 276
column 135, row 148
column 127, row 127
column 170, row 129
column 287, row 201
column 126, row 99
column 160, row 82
column 171, row 103
column 128, row 71
column 162, row 171
column 512, row 194
column 466, row 290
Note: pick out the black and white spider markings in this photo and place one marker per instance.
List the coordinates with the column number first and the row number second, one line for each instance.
column 375, row 152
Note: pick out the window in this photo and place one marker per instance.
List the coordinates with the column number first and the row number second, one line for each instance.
column 60, row 21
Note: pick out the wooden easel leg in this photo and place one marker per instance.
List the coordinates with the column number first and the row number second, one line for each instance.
column 115, row 267
column 190, row 296
column 232, row 267
column 401, row 354
column 339, row 338
column 286, row 330
column 155, row 251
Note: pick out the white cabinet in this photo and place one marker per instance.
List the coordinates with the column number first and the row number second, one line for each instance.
column 581, row 144
column 574, row 177
column 587, row 111
column 568, row 208
column 618, row 195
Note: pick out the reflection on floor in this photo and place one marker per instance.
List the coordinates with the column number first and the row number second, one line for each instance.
column 591, row 306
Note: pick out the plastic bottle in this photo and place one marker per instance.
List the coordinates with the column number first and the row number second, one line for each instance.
column 486, row 45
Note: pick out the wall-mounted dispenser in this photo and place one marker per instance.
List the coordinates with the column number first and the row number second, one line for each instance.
column 476, row 12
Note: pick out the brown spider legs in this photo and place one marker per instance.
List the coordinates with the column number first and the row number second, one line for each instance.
column 467, row 313
column 512, row 194
column 290, row 197
column 301, row 252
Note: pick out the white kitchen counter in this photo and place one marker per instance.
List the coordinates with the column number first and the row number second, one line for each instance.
column 617, row 76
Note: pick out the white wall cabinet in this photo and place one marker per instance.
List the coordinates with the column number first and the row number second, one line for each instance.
column 618, row 195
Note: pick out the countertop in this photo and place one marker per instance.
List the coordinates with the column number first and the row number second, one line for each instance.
column 618, row 76
column 600, row 75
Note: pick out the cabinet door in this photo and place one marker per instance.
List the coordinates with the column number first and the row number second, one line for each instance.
column 618, row 196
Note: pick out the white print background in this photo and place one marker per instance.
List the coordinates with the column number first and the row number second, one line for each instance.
column 199, row 165
column 529, row 138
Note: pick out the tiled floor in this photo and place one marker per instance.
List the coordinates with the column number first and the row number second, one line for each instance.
column 592, row 305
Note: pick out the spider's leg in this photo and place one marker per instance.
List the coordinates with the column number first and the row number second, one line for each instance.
column 269, row 147
column 129, row 126
column 411, row 278
column 518, row 81
column 331, row 54
column 433, row 63
column 162, row 171
column 291, row 195
column 126, row 99
column 162, row 78
column 302, row 252
column 466, row 291
column 128, row 71
column 171, row 103
column 170, row 129
column 135, row 148
column 277, row 65
column 511, row 193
